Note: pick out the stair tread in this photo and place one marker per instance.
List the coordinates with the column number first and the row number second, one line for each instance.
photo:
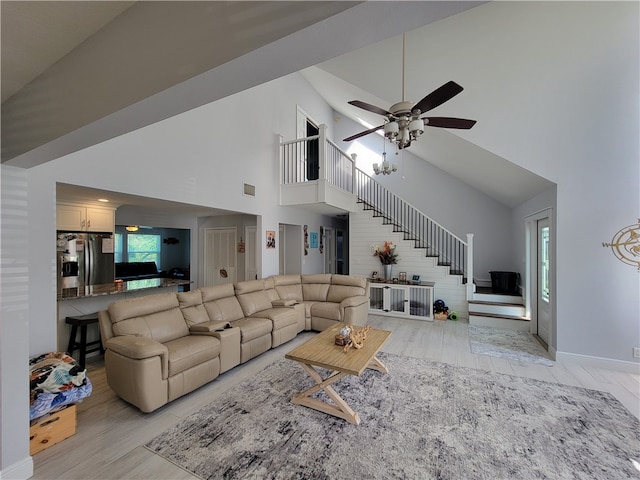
column 503, row 304
column 498, row 315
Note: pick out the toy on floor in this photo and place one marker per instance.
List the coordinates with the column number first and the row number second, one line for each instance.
column 440, row 310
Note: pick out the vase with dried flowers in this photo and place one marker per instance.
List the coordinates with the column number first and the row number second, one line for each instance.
column 387, row 255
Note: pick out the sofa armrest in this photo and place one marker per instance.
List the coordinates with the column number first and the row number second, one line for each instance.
column 208, row 327
column 355, row 310
column 138, row 348
column 354, row 301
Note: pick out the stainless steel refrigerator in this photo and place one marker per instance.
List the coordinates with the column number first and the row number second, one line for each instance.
column 84, row 259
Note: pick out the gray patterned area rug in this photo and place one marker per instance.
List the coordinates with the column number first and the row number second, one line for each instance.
column 423, row 420
column 511, row 344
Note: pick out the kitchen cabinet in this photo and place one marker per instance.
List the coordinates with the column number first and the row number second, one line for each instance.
column 402, row 300
column 84, row 218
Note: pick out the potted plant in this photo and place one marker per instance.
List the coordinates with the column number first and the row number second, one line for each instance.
column 387, row 255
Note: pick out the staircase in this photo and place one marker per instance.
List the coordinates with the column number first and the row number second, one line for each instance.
column 507, row 311
column 338, row 184
column 431, row 250
column 433, row 239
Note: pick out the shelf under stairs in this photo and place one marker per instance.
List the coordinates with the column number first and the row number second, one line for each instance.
column 496, row 310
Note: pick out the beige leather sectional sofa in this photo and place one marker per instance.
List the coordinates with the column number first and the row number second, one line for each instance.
column 160, row 347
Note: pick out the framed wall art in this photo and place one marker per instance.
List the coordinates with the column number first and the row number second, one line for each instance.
column 271, row 239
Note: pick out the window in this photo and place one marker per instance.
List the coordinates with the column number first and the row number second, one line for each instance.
column 544, row 263
column 138, row 247
column 118, row 248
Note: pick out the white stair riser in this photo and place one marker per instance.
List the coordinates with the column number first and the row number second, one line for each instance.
column 497, row 298
column 494, row 322
column 497, row 309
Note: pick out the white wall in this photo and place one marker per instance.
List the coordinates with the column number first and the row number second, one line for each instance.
column 576, row 124
column 579, row 128
column 455, row 205
column 199, row 158
column 14, row 325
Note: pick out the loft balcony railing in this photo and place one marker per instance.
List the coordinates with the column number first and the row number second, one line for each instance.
column 316, row 160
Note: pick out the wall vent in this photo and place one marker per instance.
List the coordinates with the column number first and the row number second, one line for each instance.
column 249, row 190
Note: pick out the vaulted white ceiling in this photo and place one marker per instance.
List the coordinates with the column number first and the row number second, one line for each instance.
column 355, row 47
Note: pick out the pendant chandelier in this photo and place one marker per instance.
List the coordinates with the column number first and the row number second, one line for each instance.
column 384, row 168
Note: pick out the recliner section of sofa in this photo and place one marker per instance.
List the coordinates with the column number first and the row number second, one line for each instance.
column 160, row 347
column 150, row 356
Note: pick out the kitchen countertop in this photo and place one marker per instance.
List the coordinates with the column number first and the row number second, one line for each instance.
column 119, row 287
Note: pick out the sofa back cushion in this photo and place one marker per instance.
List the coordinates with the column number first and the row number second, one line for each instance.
column 345, row 286
column 192, row 308
column 315, row 287
column 221, row 304
column 288, row 287
column 224, row 310
column 249, row 286
column 254, row 296
column 217, row 291
column 154, row 316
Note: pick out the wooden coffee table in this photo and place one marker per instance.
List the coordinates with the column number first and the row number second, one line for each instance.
column 322, row 352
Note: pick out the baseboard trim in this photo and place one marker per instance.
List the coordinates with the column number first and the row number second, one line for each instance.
column 19, row 471
column 599, row 362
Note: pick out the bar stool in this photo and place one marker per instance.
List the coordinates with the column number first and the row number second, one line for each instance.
column 83, row 321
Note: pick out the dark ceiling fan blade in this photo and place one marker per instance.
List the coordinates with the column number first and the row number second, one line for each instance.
column 369, row 107
column 438, row 96
column 362, row 134
column 448, row 122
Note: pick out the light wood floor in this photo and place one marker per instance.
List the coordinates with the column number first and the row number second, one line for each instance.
column 111, row 434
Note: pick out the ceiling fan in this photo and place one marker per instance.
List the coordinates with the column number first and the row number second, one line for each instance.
column 403, row 121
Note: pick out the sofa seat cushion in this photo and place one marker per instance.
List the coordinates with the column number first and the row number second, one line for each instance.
column 189, row 351
column 327, row 310
column 281, row 317
column 252, row 328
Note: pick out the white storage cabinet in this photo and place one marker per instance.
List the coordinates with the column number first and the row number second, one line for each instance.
column 84, row 218
column 401, row 300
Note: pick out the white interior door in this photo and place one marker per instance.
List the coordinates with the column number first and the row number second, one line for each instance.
column 250, row 261
column 543, row 281
column 220, row 256
column 329, row 251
